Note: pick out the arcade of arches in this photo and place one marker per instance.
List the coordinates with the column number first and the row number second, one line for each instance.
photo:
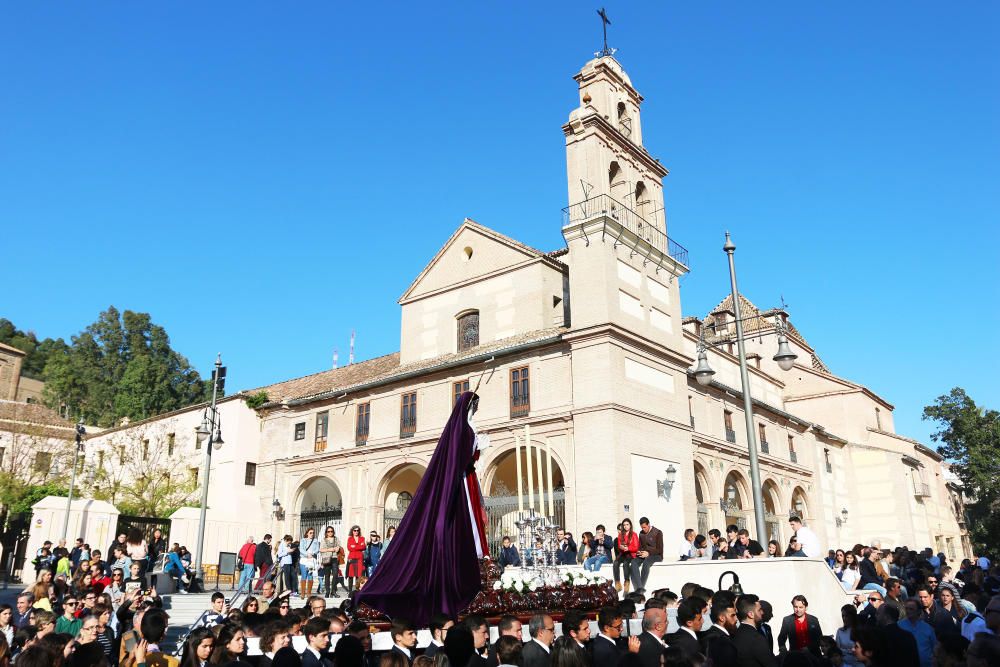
column 732, row 503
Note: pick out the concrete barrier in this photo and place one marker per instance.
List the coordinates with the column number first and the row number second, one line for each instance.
column 773, row 579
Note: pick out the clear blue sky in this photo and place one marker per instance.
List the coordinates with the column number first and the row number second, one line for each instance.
column 263, row 177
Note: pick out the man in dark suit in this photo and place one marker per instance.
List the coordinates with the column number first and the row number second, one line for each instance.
column 576, row 626
column 480, row 639
column 317, row 634
column 537, row 652
column 690, row 620
column 654, row 626
column 751, row 647
column 404, row 638
column 788, row 633
column 607, row 648
column 868, row 613
column 723, row 616
column 509, row 626
column 263, row 560
column 439, row 625
column 904, row 645
column 763, row 627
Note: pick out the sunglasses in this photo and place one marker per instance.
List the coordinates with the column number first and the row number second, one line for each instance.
column 874, row 599
column 282, row 606
column 69, row 604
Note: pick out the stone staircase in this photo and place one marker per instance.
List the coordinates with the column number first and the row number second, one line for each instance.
column 186, row 609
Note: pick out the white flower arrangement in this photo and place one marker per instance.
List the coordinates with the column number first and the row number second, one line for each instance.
column 583, row 578
column 515, row 583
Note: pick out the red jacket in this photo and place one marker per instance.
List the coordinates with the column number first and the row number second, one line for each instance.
column 247, row 553
column 628, row 546
column 355, row 548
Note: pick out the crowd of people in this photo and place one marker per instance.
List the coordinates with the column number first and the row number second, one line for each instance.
column 323, row 563
column 910, row 608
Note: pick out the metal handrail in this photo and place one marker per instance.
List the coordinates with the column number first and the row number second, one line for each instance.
column 234, row 603
column 608, row 206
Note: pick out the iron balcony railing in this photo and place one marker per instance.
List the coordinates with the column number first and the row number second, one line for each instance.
column 793, row 457
column 730, row 435
column 607, row 206
column 764, row 447
column 407, row 427
column 520, row 405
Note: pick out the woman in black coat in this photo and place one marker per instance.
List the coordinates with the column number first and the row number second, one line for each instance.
column 799, row 629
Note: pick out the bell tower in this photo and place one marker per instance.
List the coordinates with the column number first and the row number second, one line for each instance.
column 615, row 226
column 605, row 157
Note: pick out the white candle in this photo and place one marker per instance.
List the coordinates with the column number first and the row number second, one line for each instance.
column 552, row 503
column 531, row 474
column 520, row 484
column 541, row 481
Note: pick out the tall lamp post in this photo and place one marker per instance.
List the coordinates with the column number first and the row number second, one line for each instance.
column 80, row 432
column 209, row 433
column 703, row 373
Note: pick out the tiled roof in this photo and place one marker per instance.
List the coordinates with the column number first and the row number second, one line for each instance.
column 330, row 379
column 34, row 418
column 755, row 320
column 387, row 368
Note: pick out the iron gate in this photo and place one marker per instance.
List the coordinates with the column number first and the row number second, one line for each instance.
column 703, row 521
column 501, row 513
column 392, row 517
column 146, row 524
column 318, row 518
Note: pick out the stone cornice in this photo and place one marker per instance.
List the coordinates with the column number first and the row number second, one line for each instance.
column 610, row 330
column 597, row 122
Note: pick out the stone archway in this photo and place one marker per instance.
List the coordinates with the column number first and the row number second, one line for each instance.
column 319, row 504
column 703, row 495
column 800, row 504
column 396, row 490
column 735, row 500
column 500, row 491
column 772, row 516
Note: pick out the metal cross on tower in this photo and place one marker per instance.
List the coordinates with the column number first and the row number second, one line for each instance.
column 605, row 22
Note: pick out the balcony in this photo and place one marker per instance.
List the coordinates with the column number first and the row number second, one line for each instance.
column 793, row 457
column 407, row 427
column 520, row 406
column 829, row 467
column 692, row 421
column 319, row 445
column 730, row 435
column 629, row 227
column 764, row 447
column 921, row 489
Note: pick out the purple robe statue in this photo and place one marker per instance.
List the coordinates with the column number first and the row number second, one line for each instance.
column 433, row 564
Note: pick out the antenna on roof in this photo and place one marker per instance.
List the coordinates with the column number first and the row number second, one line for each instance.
column 336, row 357
column 350, row 359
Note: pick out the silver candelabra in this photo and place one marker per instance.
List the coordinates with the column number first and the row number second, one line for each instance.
column 538, row 545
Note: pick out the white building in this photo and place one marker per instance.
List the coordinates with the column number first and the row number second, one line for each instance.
column 587, row 346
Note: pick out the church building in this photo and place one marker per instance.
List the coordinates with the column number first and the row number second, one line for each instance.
column 587, row 347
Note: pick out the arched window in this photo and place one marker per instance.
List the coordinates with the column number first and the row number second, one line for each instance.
column 468, row 330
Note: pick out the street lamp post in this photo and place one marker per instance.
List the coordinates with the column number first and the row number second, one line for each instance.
column 703, row 373
column 208, row 432
column 758, row 494
column 80, row 432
